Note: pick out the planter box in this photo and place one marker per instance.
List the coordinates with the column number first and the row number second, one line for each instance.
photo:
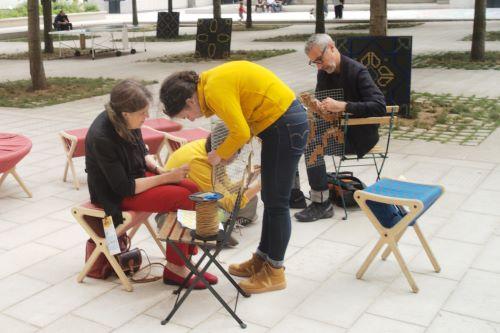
column 167, row 25
column 213, row 38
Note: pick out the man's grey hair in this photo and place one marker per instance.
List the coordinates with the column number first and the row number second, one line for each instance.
column 320, row 40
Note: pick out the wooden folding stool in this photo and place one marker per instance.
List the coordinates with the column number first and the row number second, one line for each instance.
column 74, row 146
column 13, row 148
column 90, row 218
column 393, row 205
column 155, row 140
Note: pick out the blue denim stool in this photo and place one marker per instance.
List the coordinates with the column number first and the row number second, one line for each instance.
column 393, row 205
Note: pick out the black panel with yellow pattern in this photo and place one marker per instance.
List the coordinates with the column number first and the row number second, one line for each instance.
column 167, row 25
column 213, row 38
column 388, row 60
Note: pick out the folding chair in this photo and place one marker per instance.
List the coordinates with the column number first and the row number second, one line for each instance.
column 393, row 205
column 90, row 218
column 13, row 148
column 378, row 153
column 179, row 138
column 173, row 233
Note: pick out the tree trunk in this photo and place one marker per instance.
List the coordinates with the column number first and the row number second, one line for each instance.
column 249, row 14
column 170, row 6
column 378, row 17
column 320, row 17
column 479, row 31
column 135, row 21
column 217, row 10
column 47, row 26
column 38, row 80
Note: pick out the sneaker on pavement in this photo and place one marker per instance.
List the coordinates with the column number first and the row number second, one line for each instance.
column 247, row 268
column 315, row 211
column 267, row 279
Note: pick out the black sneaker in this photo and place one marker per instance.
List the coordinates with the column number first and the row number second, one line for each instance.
column 315, row 211
column 297, row 199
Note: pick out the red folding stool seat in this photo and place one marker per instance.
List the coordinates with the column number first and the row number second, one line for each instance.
column 13, row 148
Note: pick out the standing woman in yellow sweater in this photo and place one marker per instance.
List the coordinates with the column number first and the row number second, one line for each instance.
column 252, row 101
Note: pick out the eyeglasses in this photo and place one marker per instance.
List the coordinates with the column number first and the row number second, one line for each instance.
column 318, row 60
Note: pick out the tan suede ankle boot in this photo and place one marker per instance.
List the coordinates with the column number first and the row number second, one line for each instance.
column 267, row 279
column 247, row 268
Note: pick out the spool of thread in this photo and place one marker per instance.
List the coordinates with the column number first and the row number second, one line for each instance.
column 207, row 223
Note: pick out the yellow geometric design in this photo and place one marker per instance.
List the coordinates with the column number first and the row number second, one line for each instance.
column 385, row 75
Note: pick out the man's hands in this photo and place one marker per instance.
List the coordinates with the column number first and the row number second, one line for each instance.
column 330, row 105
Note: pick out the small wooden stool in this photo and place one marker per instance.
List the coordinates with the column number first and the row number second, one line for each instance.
column 90, row 218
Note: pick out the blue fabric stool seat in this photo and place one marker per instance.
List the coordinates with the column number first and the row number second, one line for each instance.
column 393, row 205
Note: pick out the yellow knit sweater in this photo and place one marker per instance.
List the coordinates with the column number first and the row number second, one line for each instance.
column 246, row 96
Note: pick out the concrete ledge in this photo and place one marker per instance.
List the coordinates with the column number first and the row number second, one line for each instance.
column 233, row 8
column 73, row 17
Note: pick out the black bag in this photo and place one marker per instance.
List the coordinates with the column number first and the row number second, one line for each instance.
column 344, row 184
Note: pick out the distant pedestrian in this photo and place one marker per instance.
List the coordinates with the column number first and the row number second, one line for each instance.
column 241, row 10
column 338, row 5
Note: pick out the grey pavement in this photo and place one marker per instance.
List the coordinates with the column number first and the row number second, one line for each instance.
column 42, row 247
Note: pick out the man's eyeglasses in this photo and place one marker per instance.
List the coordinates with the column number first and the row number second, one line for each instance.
column 318, row 60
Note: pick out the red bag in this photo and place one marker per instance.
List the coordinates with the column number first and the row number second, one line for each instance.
column 102, row 268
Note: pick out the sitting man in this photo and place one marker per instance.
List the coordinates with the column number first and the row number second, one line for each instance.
column 260, row 4
column 271, row 6
column 61, row 22
column 195, row 154
column 362, row 98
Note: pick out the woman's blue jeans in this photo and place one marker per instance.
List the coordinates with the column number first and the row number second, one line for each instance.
column 282, row 146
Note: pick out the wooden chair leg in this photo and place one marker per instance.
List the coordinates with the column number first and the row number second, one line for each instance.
column 154, row 234
column 118, row 270
column 21, row 183
column 66, row 167
column 427, row 248
column 370, row 258
column 76, row 183
column 132, row 232
column 403, row 266
column 387, row 250
column 88, row 265
column 5, row 174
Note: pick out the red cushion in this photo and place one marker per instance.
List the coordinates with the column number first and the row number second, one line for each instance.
column 192, row 134
column 13, row 147
column 152, row 138
column 80, row 134
column 163, row 124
